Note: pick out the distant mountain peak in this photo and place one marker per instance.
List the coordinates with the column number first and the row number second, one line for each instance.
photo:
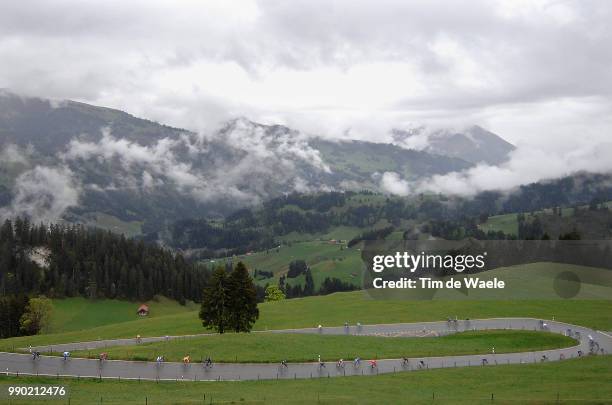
column 473, row 143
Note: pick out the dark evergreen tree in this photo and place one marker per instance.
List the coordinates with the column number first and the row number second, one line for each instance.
column 242, row 304
column 309, row 287
column 215, row 300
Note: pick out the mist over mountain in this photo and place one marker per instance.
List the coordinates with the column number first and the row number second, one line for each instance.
column 473, row 144
column 106, row 167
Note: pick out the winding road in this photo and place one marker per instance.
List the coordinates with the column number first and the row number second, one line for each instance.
column 15, row 363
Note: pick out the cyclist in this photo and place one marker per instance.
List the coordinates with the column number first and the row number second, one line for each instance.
column 103, row 356
column 421, row 364
column 284, row 364
column 65, row 355
column 340, row 363
column 159, row 360
column 208, row 362
column 186, row 360
column 35, row 355
column 373, row 364
column 405, row 362
column 357, row 362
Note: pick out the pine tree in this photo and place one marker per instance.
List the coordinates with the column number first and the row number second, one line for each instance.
column 309, row 284
column 242, row 305
column 215, row 299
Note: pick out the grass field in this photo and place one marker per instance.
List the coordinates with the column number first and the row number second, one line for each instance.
column 273, row 347
column 73, row 314
column 114, row 224
column 335, row 309
column 507, row 223
column 584, row 380
column 337, row 232
column 324, row 258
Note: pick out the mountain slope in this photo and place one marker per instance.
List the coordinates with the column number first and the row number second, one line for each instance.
column 473, row 144
column 105, row 167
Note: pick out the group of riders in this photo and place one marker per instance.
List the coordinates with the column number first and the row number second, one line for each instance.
column 340, row 364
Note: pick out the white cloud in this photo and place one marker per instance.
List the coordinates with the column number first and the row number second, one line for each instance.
column 391, row 182
column 13, row 154
column 321, row 66
column 537, row 72
column 526, row 165
column 43, row 194
column 254, row 159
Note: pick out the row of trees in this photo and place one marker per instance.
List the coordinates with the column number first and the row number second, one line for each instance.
column 330, row 285
column 71, row 260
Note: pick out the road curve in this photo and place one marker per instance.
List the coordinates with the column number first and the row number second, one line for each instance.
column 15, row 363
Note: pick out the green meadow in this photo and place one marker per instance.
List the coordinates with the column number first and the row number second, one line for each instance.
column 275, row 347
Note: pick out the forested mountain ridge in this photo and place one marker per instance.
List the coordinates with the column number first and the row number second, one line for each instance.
column 107, row 168
column 264, row 226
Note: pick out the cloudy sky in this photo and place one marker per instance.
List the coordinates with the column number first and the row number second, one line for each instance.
column 532, row 71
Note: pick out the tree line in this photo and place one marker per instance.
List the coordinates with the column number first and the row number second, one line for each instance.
column 72, row 260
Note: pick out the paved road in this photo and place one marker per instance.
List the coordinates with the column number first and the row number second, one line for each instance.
column 48, row 365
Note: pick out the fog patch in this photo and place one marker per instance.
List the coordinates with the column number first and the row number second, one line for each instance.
column 526, row 165
column 391, row 182
column 43, row 194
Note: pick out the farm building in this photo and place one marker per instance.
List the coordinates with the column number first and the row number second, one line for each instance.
column 143, row 310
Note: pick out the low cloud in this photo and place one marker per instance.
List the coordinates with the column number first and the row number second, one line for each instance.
column 43, row 194
column 391, row 182
column 244, row 161
column 526, row 165
column 12, row 154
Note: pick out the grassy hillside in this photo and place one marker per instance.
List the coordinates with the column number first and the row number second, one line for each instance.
column 273, row 347
column 324, row 258
column 583, row 380
column 507, row 223
column 73, row 314
column 335, row 309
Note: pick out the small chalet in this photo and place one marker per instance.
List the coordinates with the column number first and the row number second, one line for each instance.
column 143, row 310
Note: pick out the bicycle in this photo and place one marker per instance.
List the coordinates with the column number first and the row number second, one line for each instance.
column 208, row 364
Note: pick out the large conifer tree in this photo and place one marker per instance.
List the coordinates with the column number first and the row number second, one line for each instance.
column 215, row 301
column 242, row 308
